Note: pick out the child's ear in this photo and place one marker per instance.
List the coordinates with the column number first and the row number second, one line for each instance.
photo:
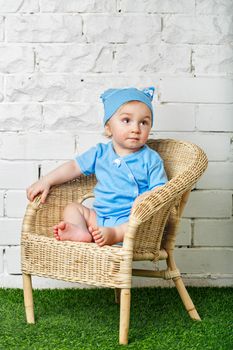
column 107, row 130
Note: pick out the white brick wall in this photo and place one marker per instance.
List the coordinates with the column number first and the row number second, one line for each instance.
column 198, row 90
column 1, row 203
column 57, row 57
column 15, row 205
column 10, row 231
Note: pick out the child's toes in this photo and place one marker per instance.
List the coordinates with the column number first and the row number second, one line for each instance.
column 98, row 237
column 95, row 232
column 55, row 229
column 61, row 225
column 99, row 240
column 56, row 236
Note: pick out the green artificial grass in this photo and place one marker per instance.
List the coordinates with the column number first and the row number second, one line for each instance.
column 89, row 319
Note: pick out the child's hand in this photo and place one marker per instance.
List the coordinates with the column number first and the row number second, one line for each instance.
column 41, row 186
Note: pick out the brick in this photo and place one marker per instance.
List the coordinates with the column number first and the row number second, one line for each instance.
column 44, row 28
column 37, row 146
column 74, row 58
column 197, row 29
column 1, row 28
column 77, row 6
column 153, row 58
column 217, row 176
column 71, row 117
column 1, row 260
column 27, row 173
column 13, row 260
column 158, row 6
column 10, row 231
column 199, row 90
column 120, row 28
column 214, row 117
column 213, row 59
column 209, row 204
column 47, row 166
column 209, row 7
column 19, row 6
column 19, row 117
column 216, row 233
column 204, row 260
column 16, row 202
column 93, row 85
column 2, row 193
column 16, row 59
column 184, row 233
column 1, row 88
column 44, row 88
column 174, row 117
column 97, row 84
column 216, row 145
column 78, row 88
column 86, row 140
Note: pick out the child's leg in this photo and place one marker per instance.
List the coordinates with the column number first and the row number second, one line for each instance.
column 108, row 235
column 77, row 219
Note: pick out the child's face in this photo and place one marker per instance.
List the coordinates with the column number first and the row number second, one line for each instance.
column 130, row 127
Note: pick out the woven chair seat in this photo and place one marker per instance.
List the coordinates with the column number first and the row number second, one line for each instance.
column 75, row 261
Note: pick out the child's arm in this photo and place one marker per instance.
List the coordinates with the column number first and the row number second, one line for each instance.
column 65, row 172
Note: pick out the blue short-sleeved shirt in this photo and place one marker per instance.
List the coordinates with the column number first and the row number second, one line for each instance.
column 120, row 179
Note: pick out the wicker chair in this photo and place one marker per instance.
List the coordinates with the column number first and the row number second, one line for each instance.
column 150, row 236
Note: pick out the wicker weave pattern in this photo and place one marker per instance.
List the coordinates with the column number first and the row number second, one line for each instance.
column 153, row 220
column 50, row 213
column 73, row 262
column 184, row 164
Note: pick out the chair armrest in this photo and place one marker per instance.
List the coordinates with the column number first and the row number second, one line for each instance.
column 40, row 218
column 152, row 201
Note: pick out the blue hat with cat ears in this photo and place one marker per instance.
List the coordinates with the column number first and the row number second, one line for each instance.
column 114, row 98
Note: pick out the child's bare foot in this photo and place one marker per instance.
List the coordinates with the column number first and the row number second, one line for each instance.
column 103, row 236
column 66, row 231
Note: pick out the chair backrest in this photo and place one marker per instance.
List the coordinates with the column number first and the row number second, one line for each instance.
column 179, row 156
column 159, row 213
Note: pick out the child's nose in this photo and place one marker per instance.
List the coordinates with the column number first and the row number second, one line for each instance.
column 136, row 127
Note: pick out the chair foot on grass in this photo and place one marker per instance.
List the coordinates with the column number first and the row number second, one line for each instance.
column 194, row 315
column 185, row 297
column 124, row 316
column 28, row 298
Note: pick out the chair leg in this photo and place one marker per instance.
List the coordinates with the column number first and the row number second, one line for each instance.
column 124, row 316
column 28, row 298
column 185, row 297
column 117, row 295
column 187, row 301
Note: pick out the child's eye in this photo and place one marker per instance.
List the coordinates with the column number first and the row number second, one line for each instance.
column 144, row 122
column 125, row 120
